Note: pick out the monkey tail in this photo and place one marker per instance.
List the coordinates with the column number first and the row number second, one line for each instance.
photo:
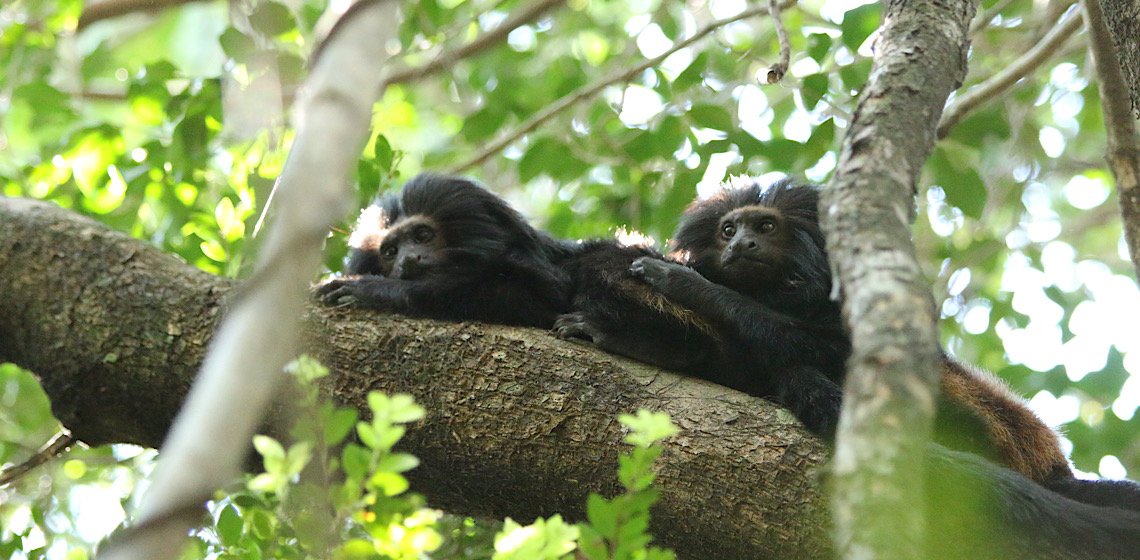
column 979, row 510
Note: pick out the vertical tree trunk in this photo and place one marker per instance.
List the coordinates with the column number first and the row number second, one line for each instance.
column 867, row 210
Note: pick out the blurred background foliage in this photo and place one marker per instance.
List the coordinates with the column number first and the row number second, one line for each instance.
column 172, row 125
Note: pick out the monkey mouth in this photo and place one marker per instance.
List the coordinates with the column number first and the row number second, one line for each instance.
column 737, row 259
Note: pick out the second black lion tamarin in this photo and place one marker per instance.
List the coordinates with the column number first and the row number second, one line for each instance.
column 753, row 280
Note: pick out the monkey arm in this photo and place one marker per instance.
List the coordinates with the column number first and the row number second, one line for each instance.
column 375, row 292
column 767, row 353
column 777, row 339
column 504, row 296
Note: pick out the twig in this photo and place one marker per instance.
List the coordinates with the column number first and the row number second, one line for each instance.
column 107, row 9
column 1123, row 150
column 589, row 90
column 445, row 60
column 1042, row 51
column 62, row 440
column 776, row 71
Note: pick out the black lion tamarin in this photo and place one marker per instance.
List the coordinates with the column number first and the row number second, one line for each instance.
column 445, row 248
column 751, row 275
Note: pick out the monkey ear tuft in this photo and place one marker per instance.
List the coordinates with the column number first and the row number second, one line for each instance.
column 369, row 229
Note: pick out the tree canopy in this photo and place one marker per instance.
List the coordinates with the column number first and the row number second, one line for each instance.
column 169, row 121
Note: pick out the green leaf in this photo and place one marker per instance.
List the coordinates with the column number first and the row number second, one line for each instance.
column 819, row 44
column 338, row 424
column 711, row 116
column 290, row 67
column 552, row 158
column 383, row 153
column 272, row 18
column 271, row 451
column 644, row 146
column 691, row 75
column 964, row 187
column 237, row 45
column 388, row 484
column 602, row 515
column 26, row 405
column 403, row 409
column 398, row 463
column 647, row 427
column 819, row 143
column 855, row 75
column 484, row 123
column 368, row 435
column 263, row 523
column 858, row 24
column 990, row 121
column 230, row 526
column 356, row 461
column 814, row 88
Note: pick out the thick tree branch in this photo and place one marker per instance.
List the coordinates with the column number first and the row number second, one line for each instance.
column 1123, row 147
column 1020, row 68
column 520, row 423
column 866, row 211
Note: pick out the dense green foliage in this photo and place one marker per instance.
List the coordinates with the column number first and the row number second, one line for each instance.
column 173, row 125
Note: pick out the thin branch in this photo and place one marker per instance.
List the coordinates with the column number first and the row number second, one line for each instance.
column 776, row 71
column 1123, row 148
column 108, row 9
column 62, row 440
column 589, row 90
column 1041, row 52
column 445, row 60
column 261, row 331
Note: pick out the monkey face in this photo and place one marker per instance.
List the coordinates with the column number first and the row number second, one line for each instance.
column 754, row 242
column 411, row 248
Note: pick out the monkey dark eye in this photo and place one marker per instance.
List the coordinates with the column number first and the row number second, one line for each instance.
column 423, row 234
column 728, row 230
column 389, row 251
column 767, row 226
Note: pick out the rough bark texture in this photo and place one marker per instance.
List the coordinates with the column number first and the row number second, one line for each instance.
column 920, row 57
column 1119, row 116
column 520, row 423
column 115, row 327
column 1123, row 20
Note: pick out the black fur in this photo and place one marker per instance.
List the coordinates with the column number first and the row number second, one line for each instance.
column 492, row 266
column 623, row 315
column 976, row 510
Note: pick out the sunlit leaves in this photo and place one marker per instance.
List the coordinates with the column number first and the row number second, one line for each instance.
column 26, row 421
column 549, row 156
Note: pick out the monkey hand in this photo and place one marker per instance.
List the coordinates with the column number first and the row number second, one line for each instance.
column 333, row 291
column 576, row 325
column 662, row 274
